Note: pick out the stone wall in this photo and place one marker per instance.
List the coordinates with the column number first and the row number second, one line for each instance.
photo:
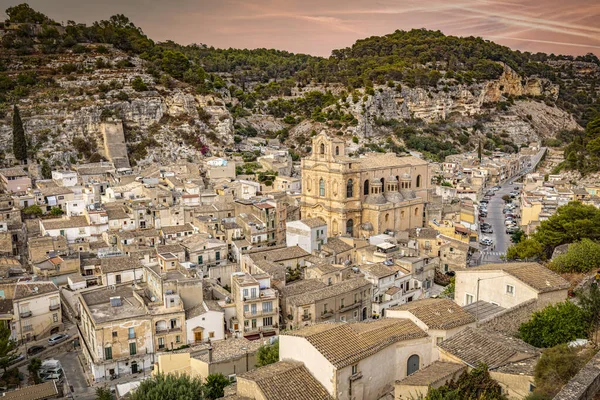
column 509, row 320
column 585, row 385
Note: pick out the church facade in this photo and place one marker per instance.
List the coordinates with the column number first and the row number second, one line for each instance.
column 366, row 195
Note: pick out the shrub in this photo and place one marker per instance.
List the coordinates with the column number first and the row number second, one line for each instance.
column 139, row 85
column 583, row 256
column 556, row 324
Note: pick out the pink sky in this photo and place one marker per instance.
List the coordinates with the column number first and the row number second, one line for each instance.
column 317, row 27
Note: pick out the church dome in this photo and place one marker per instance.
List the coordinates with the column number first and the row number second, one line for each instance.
column 394, row 197
column 375, row 198
column 408, row 194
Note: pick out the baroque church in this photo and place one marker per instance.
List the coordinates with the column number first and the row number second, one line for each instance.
column 365, row 195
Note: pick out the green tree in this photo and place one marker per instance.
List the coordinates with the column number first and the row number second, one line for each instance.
column 33, row 211
column 589, row 301
column 526, row 249
column 267, row 354
column 103, row 393
column 8, row 347
column 139, row 85
column 479, row 151
column 214, row 386
column 56, row 211
column 170, row 387
column 506, row 198
column 583, row 256
column 556, row 324
column 46, row 170
column 33, row 368
column 175, row 63
column 23, row 13
column 517, row 236
column 556, row 366
column 473, row 385
column 19, row 141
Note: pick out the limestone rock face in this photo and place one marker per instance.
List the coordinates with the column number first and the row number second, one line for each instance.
column 524, row 121
column 511, row 83
column 75, row 107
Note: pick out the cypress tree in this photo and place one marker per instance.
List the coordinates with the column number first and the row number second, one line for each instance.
column 479, row 151
column 19, row 142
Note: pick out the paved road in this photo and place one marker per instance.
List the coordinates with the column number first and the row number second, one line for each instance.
column 75, row 377
column 501, row 239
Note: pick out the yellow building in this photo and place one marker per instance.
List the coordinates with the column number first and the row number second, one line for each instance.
column 363, row 195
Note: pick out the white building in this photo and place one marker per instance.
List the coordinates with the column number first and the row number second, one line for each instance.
column 358, row 360
column 65, row 178
column 205, row 322
column 309, row 234
column 37, row 311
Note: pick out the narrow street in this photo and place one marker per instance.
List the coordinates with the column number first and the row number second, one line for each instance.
column 494, row 253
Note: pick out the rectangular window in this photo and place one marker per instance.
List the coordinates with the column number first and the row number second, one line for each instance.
column 254, row 324
column 245, row 292
column 55, row 317
column 267, row 306
column 253, row 309
column 246, row 308
column 438, row 340
column 132, row 349
column 114, row 334
column 161, row 343
column 177, row 339
column 510, row 289
column 268, row 321
column 131, row 333
column 356, row 297
column 200, row 260
column 253, row 292
column 468, row 299
column 342, row 303
column 211, row 335
column 218, row 255
column 355, row 369
column 108, row 353
column 324, row 308
column 117, row 279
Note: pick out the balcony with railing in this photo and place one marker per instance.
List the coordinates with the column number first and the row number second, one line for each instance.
column 258, row 329
column 327, row 314
column 25, row 314
column 350, row 307
column 260, row 313
column 306, row 317
column 53, row 307
column 264, row 294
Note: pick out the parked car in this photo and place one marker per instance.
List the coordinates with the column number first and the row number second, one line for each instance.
column 486, row 242
column 486, row 225
column 35, row 349
column 487, row 230
column 15, row 360
column 512, row 229
column 58, row 338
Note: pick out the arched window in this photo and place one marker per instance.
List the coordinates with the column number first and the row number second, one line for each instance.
column 322, row 188
column 350, row 227
column 382, row 185
column 337, row 150
column 417, row 212
column 418, row 181
column 349, row 188
column 387, row 217
column 366, row 188
column 412, row 365
column 322, row 148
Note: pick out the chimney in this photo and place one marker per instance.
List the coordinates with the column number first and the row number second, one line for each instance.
column 210, row 351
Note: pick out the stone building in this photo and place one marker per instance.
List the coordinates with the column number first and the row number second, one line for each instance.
column 363, row 195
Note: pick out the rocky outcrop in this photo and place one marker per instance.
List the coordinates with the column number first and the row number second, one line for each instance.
column 512, row 84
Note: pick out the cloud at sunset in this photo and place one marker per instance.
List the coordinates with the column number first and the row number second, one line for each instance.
column 317, row 27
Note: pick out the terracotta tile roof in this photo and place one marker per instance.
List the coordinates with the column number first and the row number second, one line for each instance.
column 482, row 309
column 378, row 270
column 231, row 349
column 313, row 222
column 121, row 263
column 16, row 171
column 173, row 229
column 329, row 291
column 336, row 245
column 437, row 313
column 65, row 223
column 439, row 371
column 302, row 286
column 344, row 344
column 286, row 380
column 116, row 213
column 532, row 274
column 45, row 390
column 474, row 346
column 284, row 253
column 28, row 289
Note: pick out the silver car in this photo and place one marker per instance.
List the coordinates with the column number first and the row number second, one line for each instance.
column 58, row 338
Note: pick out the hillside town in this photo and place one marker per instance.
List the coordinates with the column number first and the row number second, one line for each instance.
column 376, row 276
